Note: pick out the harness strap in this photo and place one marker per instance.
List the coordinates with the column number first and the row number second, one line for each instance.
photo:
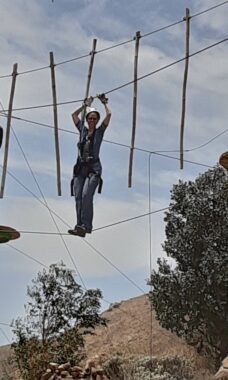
column 88, row 163
column 72, row 187
column 85, row 138
column 100, row 184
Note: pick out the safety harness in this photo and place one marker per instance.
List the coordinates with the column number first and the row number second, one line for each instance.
column 86, row 160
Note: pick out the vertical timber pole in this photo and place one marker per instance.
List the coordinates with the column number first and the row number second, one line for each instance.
column 137, row 38
column 55, row 113
column 92, row 53
column 5, row 160
column 187, row 19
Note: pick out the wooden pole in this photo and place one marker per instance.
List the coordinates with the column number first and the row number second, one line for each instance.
column 137, row 38
column 5, row 160
column 187, row 19
column 55, row 113
column 92, row 53
column 1, row 136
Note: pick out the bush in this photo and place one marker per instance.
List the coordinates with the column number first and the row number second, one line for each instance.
column 190, row 299
column 134, row 368
column 59, row 314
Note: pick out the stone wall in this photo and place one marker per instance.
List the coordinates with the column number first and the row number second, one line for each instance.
column 91, row 371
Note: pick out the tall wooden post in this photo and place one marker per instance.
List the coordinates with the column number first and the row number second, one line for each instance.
column 55, row 113
column 5, row 160
column 92, row 53
column 187, row 19
column 1, row 136
column 137, row 38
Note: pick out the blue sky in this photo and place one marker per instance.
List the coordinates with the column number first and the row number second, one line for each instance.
column 30, row 29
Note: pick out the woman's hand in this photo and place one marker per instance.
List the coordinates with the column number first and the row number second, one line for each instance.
column 88, row 101
column 102, row 98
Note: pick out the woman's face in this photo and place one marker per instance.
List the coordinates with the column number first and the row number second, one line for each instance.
column 92, row 120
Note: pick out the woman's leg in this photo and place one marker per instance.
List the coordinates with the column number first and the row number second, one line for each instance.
column 78, row 188
column 89, row 188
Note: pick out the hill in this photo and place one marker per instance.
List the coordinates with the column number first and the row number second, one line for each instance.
column 130, row 330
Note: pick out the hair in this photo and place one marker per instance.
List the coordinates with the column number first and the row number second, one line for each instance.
column 98, row 115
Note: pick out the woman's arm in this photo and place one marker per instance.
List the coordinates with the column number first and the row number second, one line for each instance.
column 108, row 115
column 104, row 101
column 75, row 115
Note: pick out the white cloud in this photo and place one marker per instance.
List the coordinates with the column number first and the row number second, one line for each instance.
column 29, row 31
column 215, row 19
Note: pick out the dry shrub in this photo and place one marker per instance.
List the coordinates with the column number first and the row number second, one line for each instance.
column 120, row 367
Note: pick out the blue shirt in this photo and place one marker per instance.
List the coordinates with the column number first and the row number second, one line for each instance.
column 97, row 140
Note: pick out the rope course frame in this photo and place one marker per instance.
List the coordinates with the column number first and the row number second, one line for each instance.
column 165, row 67
column 55, row 104
column 120, row 43
column 119, row 144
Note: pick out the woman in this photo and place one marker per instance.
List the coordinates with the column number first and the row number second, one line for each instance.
column 87, row 170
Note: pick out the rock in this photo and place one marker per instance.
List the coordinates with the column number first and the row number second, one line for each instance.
column 53, row 366
column 91, row 371
column 223, row 370
column 64, row 367
column 47, row 374
column 65, row 374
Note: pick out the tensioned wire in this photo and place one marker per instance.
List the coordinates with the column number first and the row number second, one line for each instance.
column 116, row 143
column 114, row 89
column 45, row 202
column 5, row 335
column 150, row 257
column 127, row 83
column 98, row 252
column 119, row 44
column 46, row 267
column 98, row 228
column 19, row 182
column 50, row 212
column 150, row 155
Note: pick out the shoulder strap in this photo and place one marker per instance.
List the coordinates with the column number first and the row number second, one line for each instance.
column 81, row 141
column 91, row 144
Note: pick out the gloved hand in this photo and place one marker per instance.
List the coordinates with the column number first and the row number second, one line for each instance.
column 88, row 101
column 102, row 98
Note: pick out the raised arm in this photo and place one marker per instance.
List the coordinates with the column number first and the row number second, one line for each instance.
column 75, row 115
column 108, row 115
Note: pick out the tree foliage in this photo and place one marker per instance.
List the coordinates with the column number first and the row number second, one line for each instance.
column 58, row 315
column 192, row 299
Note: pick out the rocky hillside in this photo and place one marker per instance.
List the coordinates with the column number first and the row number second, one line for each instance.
column 130, row 330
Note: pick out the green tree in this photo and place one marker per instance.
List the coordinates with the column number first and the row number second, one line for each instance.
column 192, row 299
column 58, row 315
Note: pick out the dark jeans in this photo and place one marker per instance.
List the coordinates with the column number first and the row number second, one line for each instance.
column 84, row 189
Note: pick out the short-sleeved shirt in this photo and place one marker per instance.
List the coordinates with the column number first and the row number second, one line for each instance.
column 97, row 140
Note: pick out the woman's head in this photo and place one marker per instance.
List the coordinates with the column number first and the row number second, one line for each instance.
column 92, row 113
column 92, row 119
